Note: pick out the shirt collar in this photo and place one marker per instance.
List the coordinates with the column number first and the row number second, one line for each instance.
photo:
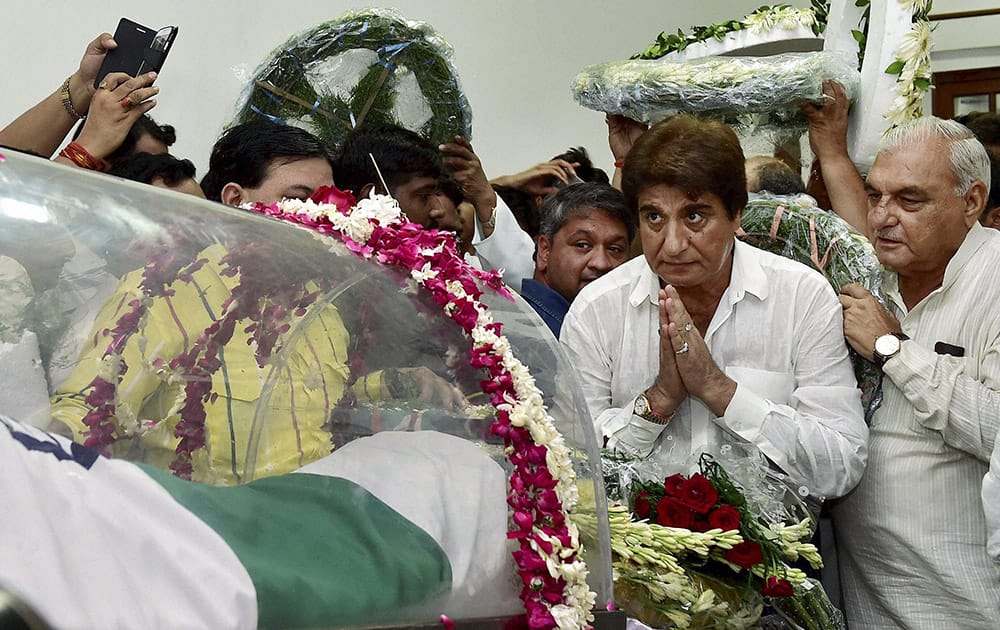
column 544, row 294
column 974, row 239
column 748, row 274
column 647, row 287
column 747, row 277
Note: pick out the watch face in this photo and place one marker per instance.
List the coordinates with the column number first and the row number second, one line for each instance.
column 641, row 405
column 887, row 345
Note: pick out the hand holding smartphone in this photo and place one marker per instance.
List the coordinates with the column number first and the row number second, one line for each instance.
column 140, row 49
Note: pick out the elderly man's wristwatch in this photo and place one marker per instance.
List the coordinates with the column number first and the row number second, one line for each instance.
column 887, row 346
column 644, row 410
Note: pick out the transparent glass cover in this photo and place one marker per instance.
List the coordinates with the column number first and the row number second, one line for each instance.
column 227, row 348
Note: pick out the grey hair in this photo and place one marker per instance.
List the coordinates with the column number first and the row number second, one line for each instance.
column 560, row 207
column 969, row 160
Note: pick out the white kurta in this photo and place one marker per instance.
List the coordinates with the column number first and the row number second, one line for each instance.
column 777, row 332
column 991, row 504
column 912, row 535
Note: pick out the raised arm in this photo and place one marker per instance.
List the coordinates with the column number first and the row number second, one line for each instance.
column 499, row 238
column 828, row 141
column 622, row 134
column 119, row 102
column 467, row 169
column 42, row 128
column 540, row 179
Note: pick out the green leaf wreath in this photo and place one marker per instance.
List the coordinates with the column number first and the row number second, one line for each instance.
column 303, row 82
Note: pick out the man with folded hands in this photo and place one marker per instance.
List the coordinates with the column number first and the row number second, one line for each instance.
column 705, row 341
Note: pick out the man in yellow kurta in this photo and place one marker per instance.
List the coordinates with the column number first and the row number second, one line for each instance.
column 266, row 419
column 260, row 420
column 269, row 419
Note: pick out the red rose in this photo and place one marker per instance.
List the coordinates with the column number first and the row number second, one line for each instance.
column 340, row 198
column 699, row 523
column 642, row 504
column 672, row 513
column 672, row 485
column 725, row 517
column 699, row 494
column 746, row 554
column 777, row 587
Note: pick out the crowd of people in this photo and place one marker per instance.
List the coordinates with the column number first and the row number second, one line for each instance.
column 684, row 338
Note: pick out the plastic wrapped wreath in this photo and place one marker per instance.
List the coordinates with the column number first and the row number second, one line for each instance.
column 795, row 227
column 726, row 87
column 369, row 65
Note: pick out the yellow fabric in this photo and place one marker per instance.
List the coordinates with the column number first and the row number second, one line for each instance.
column 290, row 399
column 372, row 388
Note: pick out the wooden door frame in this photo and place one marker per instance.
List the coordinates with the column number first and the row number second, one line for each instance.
column 948, row 85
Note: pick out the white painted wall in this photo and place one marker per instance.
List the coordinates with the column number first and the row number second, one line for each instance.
column 516, row 58
column 965, row 43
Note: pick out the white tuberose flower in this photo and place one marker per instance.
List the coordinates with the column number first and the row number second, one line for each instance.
column 382, row 208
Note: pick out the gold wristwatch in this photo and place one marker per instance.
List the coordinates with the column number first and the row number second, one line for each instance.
column 644, row 410
column 887, row 346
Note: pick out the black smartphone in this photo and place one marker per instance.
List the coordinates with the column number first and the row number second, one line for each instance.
column 140, row 49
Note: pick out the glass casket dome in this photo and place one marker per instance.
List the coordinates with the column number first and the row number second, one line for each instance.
column 320, row 400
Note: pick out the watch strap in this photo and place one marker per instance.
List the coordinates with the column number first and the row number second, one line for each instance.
column 645, row 411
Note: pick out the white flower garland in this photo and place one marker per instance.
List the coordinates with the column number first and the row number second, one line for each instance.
column 914, row 54
column 783, row 17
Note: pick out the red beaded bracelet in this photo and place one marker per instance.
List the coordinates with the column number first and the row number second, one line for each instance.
column 82, row 158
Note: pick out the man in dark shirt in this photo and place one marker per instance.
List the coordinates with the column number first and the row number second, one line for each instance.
column 585, row 233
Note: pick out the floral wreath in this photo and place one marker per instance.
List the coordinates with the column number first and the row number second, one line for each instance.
column 543, row 488
column 700, row 550
column 912, row 65
column 292, row 83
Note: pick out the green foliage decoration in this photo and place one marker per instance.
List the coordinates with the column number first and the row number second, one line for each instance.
column 305, row 81
column 667, row 43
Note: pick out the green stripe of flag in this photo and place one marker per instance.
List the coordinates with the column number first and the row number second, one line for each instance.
column 320, row 550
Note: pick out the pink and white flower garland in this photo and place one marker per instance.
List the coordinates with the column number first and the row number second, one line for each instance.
column 543, row 484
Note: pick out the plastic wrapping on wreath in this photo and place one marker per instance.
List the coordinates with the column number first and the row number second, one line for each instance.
column 770, row 493
column 291, row 350
column 743, row 606
column 725, row 87
column 369, row 66
column 667, row 585
column 796, row 228
column 811, row 604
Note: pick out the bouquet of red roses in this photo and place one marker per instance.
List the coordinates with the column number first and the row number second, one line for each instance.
column 695, row 552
